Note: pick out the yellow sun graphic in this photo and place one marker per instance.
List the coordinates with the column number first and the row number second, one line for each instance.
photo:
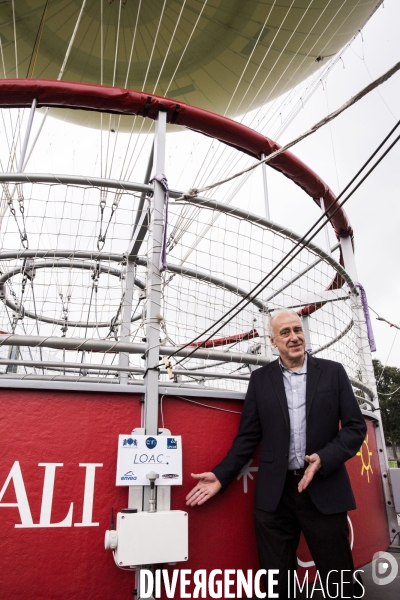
column 366, row 463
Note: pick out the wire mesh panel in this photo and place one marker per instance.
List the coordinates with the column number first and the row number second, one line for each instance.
column 241, row 254
column 65, row 258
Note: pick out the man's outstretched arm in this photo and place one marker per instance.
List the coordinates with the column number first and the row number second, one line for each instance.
column 207, row 486
column 243, row 446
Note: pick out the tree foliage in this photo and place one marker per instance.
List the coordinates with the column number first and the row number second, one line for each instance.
column 388, row 380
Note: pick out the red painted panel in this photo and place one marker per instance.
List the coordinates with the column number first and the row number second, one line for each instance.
column 73, row 428
column 221, row 534
column 68, row 428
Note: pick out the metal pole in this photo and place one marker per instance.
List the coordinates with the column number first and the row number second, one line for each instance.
column 268, row 350
column 107, row 346
column 307, row 334
column 331, row 308
column 14, row 350
column 126, row 315
column 27, row 134
column 265, row 185
column 153, row 289
column 367, row 374
column 348, row 257
column 153, row 311
column 146, row 181
column 326, row 231
column 138, row 235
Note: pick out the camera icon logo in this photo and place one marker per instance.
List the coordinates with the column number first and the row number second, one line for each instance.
column 384, row 568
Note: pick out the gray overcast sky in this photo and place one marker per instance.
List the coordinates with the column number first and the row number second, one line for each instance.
column 337, row 151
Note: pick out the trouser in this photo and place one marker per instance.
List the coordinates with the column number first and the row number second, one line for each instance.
column 278, row 535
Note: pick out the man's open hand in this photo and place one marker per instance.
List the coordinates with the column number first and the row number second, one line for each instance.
column 314, row 465
column 207, row 486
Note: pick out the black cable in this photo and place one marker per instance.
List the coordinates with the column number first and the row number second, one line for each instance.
column 37, row 41
column 252, row 294
column 96, row 273
column 134, row 311
column 89, row 309
column 303, row 238
column 37, row 324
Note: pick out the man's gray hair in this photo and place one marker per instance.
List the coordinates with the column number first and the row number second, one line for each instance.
column 276, row 313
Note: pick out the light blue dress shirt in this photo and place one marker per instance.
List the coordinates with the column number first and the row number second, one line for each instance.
column 295, row 389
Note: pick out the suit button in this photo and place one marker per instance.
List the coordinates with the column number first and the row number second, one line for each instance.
column 286, row 455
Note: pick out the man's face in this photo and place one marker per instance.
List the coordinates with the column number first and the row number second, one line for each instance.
column 288, row 337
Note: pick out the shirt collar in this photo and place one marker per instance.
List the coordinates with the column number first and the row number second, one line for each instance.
column 302, row 371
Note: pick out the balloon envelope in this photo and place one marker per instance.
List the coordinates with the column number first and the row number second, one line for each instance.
column 227, row 56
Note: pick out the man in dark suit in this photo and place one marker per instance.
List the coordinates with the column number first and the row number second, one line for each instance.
column 294, row 406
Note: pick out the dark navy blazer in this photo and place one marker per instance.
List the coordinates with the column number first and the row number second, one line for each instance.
column 329, row 401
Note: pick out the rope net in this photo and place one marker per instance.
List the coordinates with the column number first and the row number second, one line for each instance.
column 64, row 263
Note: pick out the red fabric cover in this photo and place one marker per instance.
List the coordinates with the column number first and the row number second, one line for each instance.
column 230, row 339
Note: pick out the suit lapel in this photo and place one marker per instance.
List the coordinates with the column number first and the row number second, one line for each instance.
column 277, row 382
column 313, row 375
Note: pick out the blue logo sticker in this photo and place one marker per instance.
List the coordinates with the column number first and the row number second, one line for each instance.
column 172, row 444
column 151, row 443
column 130, row 442
column 129, row 476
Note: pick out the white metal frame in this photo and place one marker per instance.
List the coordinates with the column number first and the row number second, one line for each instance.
column 370, row 383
